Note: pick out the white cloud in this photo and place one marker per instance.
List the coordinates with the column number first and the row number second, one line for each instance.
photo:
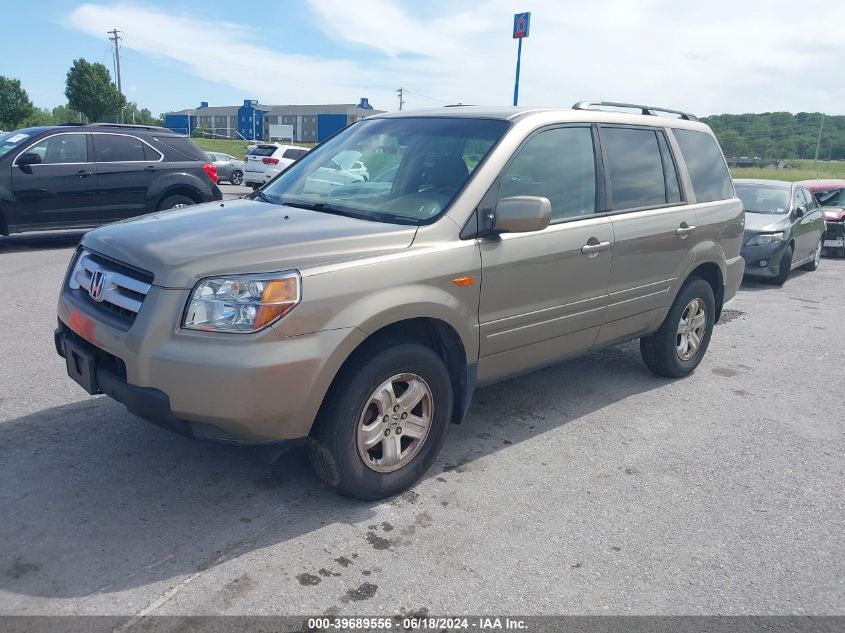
column 709, row 57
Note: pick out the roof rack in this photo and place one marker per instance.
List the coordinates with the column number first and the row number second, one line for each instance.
column 155, row 128
column 646, row 110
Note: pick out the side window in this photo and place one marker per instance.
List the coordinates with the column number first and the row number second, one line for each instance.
column 558, row 164
column 670, row 170
column 112, row 148
column 62, row 148
column 706, row 165
column 809, row 200
column 293, row 153
column 635, row 167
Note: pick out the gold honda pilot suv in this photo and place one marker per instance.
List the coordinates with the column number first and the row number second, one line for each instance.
column 357, row 316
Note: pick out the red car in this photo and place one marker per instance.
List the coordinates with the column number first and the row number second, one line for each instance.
column 830, row 194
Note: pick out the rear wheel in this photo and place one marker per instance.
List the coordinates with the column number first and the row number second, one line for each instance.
column 384, row 420
column 237, row 178
column 677, row 348
column 785, row 267
column 175, row 202
column 817, row 257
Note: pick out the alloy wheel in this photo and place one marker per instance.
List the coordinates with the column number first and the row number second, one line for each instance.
column 395, row 422
column 691, row 329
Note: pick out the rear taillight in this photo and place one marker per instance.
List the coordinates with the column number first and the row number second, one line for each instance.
column 211, row 171
column 270, row 161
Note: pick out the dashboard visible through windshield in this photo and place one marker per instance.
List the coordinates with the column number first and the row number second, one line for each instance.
column 403, row 170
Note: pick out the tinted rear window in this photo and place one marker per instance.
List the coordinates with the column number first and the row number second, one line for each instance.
column 294, row 153
column 263, row 150
column 706, row 165
column 183, row 146
column 635, row 166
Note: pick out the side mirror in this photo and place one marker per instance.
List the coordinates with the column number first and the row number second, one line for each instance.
column 522, row 214
column 800, row 211
column 30, row 158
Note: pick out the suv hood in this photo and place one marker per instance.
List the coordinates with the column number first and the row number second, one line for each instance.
column 240, row 236
column 765, row 222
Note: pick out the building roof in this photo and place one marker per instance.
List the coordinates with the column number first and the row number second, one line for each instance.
column 292, row 109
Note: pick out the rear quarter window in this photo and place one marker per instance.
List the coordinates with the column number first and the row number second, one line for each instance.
column 706, row 165
column 294, row 153
column 182, row 148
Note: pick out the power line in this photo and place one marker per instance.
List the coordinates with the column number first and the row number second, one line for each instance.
column 410, row 92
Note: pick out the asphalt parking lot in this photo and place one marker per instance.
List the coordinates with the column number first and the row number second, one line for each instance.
column 591, row 487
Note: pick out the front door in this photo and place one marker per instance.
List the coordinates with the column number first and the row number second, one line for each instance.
column 126, row 167
column 544, row 294
column 60, row 190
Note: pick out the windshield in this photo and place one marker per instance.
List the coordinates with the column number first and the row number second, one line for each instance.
column 831, row 198
column 405, row 170
column 763, row 199
column 10, row 140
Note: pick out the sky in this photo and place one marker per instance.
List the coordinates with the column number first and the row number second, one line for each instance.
column 704, row 57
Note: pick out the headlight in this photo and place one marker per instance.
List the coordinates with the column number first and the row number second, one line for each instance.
column 241, row 303
column 764, row 239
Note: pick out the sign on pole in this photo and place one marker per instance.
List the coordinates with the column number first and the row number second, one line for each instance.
column 521, row 24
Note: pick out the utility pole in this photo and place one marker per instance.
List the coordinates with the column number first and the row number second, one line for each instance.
column 116, row 39
column 818, row 145
column 401, row 93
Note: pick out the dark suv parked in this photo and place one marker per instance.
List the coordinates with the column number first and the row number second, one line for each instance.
column 79, row 176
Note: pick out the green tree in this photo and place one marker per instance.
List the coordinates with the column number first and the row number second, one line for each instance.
column 15, row 105
column 89, row 90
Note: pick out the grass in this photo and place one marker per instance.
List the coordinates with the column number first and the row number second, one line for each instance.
column 795, row 170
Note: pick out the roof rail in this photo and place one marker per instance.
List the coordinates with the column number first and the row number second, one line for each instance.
column 155, row 128
column 646, row 110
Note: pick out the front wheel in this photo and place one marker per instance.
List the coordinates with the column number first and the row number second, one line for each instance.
column 817, row 257
column 676, row 349
column 237, row 178
column 785, row 267
column 383, row 421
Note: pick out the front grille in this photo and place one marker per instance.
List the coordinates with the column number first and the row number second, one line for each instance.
column 121, row 290
column 834, row 230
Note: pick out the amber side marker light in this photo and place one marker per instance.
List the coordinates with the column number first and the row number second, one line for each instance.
column 279, row 297
column 464, row 281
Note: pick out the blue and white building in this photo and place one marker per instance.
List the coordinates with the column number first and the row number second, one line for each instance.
column 252, row 120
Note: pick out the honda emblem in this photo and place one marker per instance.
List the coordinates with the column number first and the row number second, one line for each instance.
column 98, row 285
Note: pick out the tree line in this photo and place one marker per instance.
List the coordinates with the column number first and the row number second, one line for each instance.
column 779, row 135
column 91, row 97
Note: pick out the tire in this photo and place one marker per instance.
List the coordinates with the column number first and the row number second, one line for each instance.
column 334, row 449
column 237, row 178
column 813, row 264
column 660, row 351
column 785, row 267
column 175, row 202
column 254, row 186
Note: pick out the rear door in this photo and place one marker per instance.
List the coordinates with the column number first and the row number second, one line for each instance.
column 61, row 190
column 653, row 227
column 543, row 294
column 126, row 167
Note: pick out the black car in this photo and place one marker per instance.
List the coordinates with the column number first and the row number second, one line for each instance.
column 80, row 176
column 783, row 228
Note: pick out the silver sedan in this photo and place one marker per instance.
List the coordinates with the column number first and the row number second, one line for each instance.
column 228, row 167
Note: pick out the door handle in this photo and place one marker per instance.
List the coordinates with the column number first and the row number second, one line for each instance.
column 684, row 230
column 83, row 174
column 593, row 248
column 149, row 168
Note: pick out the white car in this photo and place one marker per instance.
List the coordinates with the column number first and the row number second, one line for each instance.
column 266, row 160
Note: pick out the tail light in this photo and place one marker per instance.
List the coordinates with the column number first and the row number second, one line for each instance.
column 270, row 161
column 211, row 171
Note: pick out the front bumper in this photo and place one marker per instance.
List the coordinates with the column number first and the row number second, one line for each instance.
column 834, row 235
column 763, row 261
column 255, row 388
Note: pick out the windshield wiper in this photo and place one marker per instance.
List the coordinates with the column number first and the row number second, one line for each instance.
column 255, row 195
column 325, row 207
